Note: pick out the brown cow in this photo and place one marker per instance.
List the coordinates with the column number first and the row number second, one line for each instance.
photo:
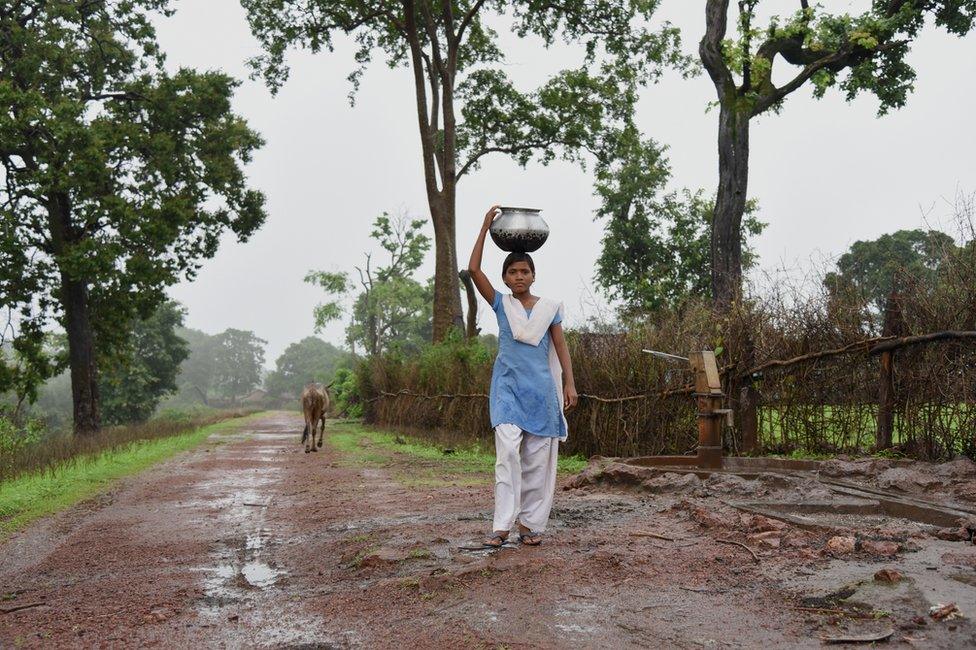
column 315, row 406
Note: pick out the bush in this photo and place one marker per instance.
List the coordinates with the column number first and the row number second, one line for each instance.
column 16, row 437
column 345, row 389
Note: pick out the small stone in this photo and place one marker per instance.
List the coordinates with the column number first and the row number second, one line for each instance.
column 952, row 534
column 706, row 518
column 908, row 480
column 880, row 548
column 760, row 524
column 940, row 611
column 888, row 575
column 233, row 617
column 840, row 545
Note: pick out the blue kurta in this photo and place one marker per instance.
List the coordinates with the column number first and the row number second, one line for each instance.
column 522, row 391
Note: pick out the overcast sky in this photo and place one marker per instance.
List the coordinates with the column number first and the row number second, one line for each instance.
column 826, row 173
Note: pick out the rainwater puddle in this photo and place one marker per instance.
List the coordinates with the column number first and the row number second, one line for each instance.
column 258, row 574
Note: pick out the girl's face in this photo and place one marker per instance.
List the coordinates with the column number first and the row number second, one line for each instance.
column 519, row 277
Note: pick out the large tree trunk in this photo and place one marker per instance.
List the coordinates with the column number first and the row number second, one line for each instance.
column 81, row 351
column 441, row 200
column 471, row 328
column 730, row 203
column 447, row 287
column 77, row 324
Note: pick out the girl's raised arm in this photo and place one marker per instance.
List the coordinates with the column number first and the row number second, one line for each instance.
column 474, row 265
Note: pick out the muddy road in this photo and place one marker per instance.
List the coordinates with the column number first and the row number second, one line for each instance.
column 249, row 542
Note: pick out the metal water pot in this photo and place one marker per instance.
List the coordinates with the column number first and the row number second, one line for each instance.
column 520, row 230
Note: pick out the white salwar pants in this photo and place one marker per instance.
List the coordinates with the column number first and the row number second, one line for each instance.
column 525, row 478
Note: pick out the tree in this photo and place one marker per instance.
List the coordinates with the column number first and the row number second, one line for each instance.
column 393, row 308
column 467, row 107
column 238, row 360
column 309, row 360
column 195, row 378
column 656, row 256
column 872, row 270
column 137, row 376
column 856, row 53
column 118, row 177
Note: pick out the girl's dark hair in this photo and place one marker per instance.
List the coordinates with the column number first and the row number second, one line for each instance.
column 517, row 257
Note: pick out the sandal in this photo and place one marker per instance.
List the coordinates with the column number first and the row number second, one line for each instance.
column 530, row 538
column 490, row 542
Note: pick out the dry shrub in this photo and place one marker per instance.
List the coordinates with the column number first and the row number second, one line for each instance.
column 631, row 403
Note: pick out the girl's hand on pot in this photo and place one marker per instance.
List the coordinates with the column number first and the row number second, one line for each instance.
column 492, row 214
column 569, row 397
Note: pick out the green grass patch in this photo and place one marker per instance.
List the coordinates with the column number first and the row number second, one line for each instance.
column 28, row 497
column 364, row 445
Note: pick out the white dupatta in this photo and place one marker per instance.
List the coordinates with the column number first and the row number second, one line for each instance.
column 531, row 330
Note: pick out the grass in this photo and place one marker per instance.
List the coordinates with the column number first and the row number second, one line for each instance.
column 467, row 465
column 853, row 429
column 50, row 451
column 28, row 497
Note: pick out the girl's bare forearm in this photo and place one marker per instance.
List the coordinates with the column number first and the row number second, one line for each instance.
column 562, row 353
column 481, row 280
column 474, row 264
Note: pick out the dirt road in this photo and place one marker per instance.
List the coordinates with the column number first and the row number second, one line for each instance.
column 249, row 542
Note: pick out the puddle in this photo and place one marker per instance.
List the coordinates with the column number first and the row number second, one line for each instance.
column 260, row 575
column 241, row 566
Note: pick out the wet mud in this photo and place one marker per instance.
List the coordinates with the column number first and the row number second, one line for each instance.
column 249, row 542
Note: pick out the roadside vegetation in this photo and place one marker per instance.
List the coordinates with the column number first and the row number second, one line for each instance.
column 59, row 474
column 430, row 463
column 28, row 448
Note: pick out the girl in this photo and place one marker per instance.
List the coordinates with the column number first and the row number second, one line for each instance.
column 531, row 385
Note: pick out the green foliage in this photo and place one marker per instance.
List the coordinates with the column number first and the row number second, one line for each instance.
column 28, row 361
column 309, row 360
column 238, row 360
column 656, row 246
column 118, row 175
column 348, row 399
column 865, row 52
column 16, row 436
column 138, row 375
column 393, row 310
column 456, row 356
column 871, row 270
column 334, row 284
column 456, row 48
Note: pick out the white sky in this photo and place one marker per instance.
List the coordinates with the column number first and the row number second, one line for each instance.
column 826, row 173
